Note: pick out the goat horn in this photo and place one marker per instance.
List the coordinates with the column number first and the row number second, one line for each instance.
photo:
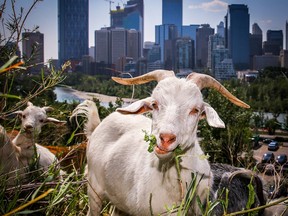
column 205, row 81
column 157, row 75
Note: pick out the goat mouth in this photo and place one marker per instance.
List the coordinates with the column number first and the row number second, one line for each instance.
column 28, row 131
column 160, row 150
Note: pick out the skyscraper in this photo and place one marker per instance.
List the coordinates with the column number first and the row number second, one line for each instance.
column 274, row 42
column 256, row 30
column 172, row 13
column 33, row 49
column 72, row 29
column 237, row 34
column 202, row 38
column 286, row 35
column 163, row 33
column 102, row 45
column 184, row 56
column 255, row 43
column 130, row 17
column 221, row 29
column 114, row 46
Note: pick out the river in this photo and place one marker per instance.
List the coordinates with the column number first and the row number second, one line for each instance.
column 71, row 95
column 66, row 94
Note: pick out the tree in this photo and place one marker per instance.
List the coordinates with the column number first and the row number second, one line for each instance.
column 226, row 145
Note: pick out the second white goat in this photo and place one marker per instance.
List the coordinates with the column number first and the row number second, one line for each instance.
column 24, row 145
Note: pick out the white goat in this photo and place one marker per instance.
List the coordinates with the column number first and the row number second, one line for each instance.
column 19, row 153
column 121, row 169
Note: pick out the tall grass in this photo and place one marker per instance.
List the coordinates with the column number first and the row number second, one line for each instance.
column 46, row 194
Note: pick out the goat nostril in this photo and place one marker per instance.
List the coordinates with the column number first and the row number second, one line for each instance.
column 28, row 126
column 167, row 138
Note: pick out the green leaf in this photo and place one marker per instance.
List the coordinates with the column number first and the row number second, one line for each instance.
column 9, row 62
column 10, row 96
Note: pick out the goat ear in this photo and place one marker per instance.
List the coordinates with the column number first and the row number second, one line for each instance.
column 47, row 109
column 55, row 121
column 212, row 117
column 18, row 113
column 137, row 107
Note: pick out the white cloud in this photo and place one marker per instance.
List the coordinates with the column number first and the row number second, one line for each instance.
column 212, row 6
column 269, row 21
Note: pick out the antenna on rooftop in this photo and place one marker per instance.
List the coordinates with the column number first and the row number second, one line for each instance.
column 110, row 2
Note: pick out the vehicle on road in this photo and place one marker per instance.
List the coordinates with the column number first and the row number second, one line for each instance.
column 267, row 141
column 281, row 159
column 268, row 157
column 273, row 146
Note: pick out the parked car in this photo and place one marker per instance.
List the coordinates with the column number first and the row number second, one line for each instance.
column 255, row 141
column 273, row 146
column 267, row 141
column 268, row 157
column 281, row 159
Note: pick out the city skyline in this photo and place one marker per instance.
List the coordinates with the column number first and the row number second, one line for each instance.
column 266, row 14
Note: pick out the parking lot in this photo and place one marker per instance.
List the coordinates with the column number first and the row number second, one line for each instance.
column 258, row 153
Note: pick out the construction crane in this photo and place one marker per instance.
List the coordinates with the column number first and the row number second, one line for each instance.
column 110, row 2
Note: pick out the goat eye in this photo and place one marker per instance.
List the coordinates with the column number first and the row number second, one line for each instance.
column 194, row 111
column 155, row 105
column 23, row 116
column 41, row 120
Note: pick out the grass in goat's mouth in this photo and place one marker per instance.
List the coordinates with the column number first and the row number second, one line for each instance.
column 151, row 140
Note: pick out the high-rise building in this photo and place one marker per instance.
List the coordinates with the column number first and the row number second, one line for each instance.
column 202, row 38
column 72, row 29
column 163, row 33
column 218, row 58
column 172, row 13
column 184, row 56
column 274, row 42
column 118, row 47
column 286, row 35
column 224, row 70
column 102, row 45
column 256, row 30
column 214, row 42
column 255, row 43
column 221, row 29
column 134, row 44
column 237, row 34
column 190, row 31
column 92, row 52
column 130, row 17
column 171, row 28
column 33, row 50
column 284, row 58
column 114, row 46
column 266, row 60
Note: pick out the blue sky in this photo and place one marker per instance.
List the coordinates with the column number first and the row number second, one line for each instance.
column 267, row 13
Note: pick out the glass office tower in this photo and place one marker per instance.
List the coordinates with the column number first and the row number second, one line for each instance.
column 72, row 29
column 237, row 35
column 172, row 13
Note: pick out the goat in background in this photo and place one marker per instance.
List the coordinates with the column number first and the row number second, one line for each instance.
column 18, row 154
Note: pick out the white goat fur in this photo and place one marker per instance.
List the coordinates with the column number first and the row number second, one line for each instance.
column 18, row 154
column 121, row 169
